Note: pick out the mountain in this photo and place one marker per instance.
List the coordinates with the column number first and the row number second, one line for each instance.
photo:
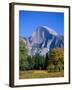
column 43, row 40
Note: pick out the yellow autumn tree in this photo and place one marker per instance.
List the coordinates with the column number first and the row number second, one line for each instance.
column 56, row 59
column 56, row 54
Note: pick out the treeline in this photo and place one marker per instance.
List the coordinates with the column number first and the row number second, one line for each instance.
column 52, row 61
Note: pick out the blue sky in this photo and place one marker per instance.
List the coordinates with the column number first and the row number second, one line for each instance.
column 30, row 20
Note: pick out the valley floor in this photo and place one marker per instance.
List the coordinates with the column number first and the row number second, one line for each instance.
column 39, row 74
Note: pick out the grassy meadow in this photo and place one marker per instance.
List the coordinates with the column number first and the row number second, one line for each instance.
column 39, row 74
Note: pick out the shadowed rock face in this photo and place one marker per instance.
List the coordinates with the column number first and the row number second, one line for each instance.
column 42, row 40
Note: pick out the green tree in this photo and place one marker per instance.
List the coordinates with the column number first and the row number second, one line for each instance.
column 46, row 61
column 38, row 61
column 42, row 62
column 31, row 62
column 23, row 53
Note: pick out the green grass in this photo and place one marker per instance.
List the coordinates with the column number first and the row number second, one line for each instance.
column 39, row 74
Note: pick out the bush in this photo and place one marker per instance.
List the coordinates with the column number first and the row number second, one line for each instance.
column 51, row 68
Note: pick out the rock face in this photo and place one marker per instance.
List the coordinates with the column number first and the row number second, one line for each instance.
column 43, row 40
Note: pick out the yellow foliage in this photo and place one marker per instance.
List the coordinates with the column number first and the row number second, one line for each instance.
column 56, row 54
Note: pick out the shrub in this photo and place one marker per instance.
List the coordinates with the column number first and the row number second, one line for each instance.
column 51, row 68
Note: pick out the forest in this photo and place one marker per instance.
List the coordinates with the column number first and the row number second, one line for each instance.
column 53, row 61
